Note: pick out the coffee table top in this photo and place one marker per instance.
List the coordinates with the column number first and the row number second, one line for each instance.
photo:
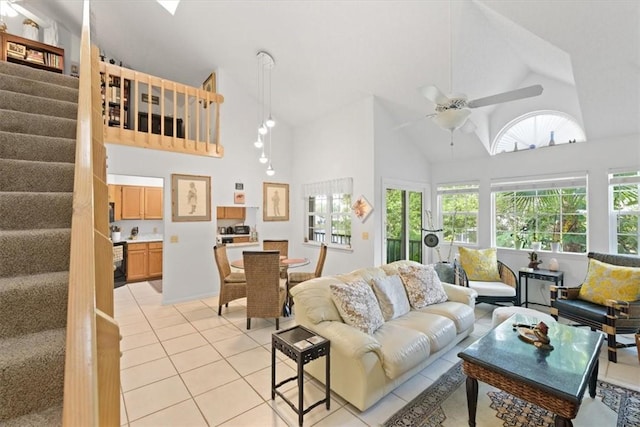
column 563, row 372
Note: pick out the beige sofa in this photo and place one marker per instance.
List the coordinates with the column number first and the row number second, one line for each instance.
column 364, row 368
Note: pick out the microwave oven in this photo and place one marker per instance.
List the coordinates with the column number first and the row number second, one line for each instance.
column 241, row 229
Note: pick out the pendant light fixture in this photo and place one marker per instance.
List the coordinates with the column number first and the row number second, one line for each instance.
column 265, row 128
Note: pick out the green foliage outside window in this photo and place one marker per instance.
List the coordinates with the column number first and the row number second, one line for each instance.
column 627, row 211
column 459, row 211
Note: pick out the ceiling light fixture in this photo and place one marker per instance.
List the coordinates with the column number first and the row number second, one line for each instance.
column 265, row 65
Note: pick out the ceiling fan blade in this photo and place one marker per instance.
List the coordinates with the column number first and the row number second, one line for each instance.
column 434, row 95
column 525, row 92
column 412, row 122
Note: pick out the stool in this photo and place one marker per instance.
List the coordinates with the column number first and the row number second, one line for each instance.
column 501, row 314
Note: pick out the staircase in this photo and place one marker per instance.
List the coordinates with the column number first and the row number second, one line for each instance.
column 37, row 149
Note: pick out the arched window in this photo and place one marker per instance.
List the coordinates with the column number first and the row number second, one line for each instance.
column 533, row 130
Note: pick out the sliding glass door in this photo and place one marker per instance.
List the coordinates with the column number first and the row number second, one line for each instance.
column 403, row 224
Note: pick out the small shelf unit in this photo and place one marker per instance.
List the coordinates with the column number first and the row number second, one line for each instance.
column 31, row 53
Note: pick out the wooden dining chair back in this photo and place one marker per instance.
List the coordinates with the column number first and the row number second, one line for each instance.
column 232, row 285
column 266, row 291
column 278, row 245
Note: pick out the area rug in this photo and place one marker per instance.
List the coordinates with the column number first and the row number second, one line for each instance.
column 157, row 285
column 444, row 403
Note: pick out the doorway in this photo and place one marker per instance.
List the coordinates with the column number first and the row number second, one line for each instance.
column 403, row 223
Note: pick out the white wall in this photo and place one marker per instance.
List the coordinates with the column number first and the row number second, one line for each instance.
column 189, row 270
column 596, row 158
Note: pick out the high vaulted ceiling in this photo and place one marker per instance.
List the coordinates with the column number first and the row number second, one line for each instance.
column 332, row 53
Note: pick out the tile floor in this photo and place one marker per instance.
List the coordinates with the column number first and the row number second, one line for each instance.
column 183, row 365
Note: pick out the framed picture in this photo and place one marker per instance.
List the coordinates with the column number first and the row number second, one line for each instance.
column 210, row 84
column 238, row 197
column 362, row 208
column 275, row 201
column 190, row 198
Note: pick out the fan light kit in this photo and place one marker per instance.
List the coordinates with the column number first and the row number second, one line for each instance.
column 265, row 128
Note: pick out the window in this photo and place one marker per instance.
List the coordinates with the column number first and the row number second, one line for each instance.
column 546, row 210
column 625, row 211
column 328, row 212
column 458, row 205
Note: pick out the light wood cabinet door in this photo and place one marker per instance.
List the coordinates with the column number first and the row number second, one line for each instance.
column 155, row 259
column 115, row 197
column 220, row 213
column 132, row 202
column 152, row 203
column 137, row 262
column 230, row 212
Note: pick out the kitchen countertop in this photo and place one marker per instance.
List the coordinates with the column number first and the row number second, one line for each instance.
column 143, row 238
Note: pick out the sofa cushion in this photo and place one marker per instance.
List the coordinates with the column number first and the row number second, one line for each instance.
column 607, row 281
column 462, row 315
column 315, row 296
column 357, row 305
column 480, row 264
column 392, row 296
column 493, row 289
column 439, row 329
column 401, row 349
column 423, row 285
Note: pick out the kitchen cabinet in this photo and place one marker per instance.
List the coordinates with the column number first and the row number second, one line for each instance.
column 144, row 261
column 115, row 197
column 231, row 212
column 141, row 202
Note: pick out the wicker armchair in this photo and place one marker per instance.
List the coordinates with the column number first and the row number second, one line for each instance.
column 296, row 277
column 505, row 291
column 266, row 291
column 616, row 317
column 278, row 245
column 232, row 285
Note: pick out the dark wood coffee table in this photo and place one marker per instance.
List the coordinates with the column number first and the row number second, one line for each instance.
column 554, row 380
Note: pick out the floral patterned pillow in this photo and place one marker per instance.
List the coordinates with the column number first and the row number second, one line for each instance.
column 607, row 281
column 357, row 305
column 480, row 264
column 423, row 285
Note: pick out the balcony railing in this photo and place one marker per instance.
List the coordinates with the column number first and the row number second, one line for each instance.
column 394, row 250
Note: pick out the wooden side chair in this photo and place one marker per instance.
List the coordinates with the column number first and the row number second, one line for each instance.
column 266, row 291
column 232, row 285
column 296, row 277
column 278, row 245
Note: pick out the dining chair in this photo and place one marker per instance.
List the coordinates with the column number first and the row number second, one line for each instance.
column 278, row 245
column 266, row 291
column 296, row 277
column 232, row 285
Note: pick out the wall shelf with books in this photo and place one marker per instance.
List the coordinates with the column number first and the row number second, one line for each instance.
column 31, row 53
column 115, row 96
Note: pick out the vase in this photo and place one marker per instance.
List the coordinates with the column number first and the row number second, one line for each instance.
column 517, row 244
column 555, row 246
column 116, row 236
column 536, row 246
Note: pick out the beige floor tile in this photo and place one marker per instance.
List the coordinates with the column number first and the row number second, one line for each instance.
column 261, row 380
column 184, row 414
column 135, row 328
column 150, row 300
column 381, row 411
column 234, row 345
column 250, row 361
column 131, row 319
column 138, row 340
column 175, row 331
column 185, row 307
column 123, row 411
column 205, row 313
column 412, row 387
column 311, row 395
column 220, row 333
column 209, row 377
column 146, row 373
column 121, row 294
column 263, row 336
column 183, row 343
column 157, row 311
column 195, row 358
column 209, row 322
column 342, row 418
column 130, row 309
column 165, row 322
column 211, row 302
column 256, row 323
column 436, row 369
column 260, row 416
column 155, row 397
column 621, row 374
column 140, row 355
column 229, row 401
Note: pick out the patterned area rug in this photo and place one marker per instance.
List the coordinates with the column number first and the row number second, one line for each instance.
column 444, row 403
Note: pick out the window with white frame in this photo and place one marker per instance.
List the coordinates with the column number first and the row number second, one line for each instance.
column 624, row 211
column 552, row 210
column 328, row 212
column 458, row 207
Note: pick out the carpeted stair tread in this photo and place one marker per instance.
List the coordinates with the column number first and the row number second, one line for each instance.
column 49, row 417
column 44, row 296
column 22, row 146
column 34, row 210
column 44, row 177
column 35, row 74
column 37, row 124
column 25, row 252
column 38, row 105
column 38, row 357
column 19, row 84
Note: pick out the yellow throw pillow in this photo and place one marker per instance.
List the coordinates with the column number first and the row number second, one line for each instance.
column 480, row 264
column 606, row 281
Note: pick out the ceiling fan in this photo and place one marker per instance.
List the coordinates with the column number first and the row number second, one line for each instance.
column 452, row 111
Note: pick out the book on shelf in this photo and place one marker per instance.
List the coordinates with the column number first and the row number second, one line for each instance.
column 16, row 50
column 35, row 56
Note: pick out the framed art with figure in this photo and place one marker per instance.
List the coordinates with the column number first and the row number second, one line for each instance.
column 275, row 201
column 190, row 198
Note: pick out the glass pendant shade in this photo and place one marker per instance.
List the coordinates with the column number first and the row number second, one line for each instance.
column 270, row 170
column 270, row 122
column 259, row 143
column 263, row 159
column 262, row 130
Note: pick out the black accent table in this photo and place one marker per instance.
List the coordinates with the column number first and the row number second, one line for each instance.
column 557, row 277
column 301, row 345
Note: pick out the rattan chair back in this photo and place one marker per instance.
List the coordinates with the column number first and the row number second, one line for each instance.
column 265, row 291
column 232, row 285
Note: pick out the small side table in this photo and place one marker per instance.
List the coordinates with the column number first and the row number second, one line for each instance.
column 556, row 277
column 301, row 345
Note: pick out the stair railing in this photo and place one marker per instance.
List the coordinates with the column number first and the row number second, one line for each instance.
column 92, row 360
column 145, row 111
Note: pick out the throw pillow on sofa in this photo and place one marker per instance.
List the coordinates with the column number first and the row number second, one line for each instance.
column 606, row 281
column 423, row 285
column 392, row 296
column 357, row 305
column 480, row 264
